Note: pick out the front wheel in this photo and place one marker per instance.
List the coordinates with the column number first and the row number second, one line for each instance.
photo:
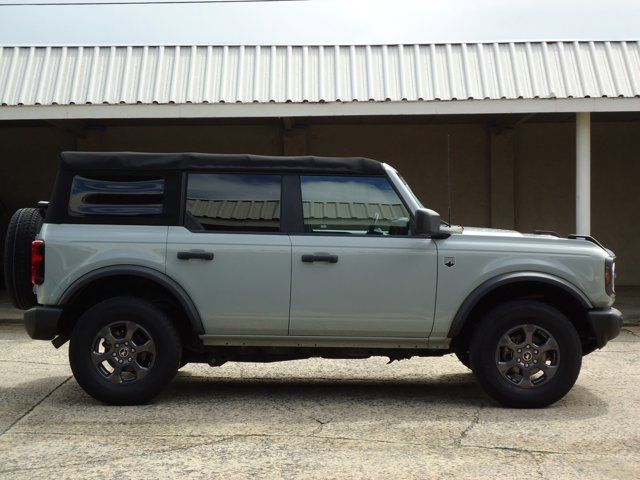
column 526, row 354
column 124, row 351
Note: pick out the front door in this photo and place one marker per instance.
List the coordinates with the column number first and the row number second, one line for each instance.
column 356, row 271
column 231, row 257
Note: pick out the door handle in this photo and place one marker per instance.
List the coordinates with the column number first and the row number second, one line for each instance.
column 320, row 257
column 196, row 255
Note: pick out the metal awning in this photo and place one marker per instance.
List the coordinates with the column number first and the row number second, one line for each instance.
column 261, row 81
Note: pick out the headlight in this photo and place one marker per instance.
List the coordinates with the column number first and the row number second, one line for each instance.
column 610, row 276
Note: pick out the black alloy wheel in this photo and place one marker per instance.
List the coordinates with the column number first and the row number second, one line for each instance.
column 526, row 354
column 124, row 351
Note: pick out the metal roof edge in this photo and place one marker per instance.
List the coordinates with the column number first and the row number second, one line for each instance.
column 266, row 110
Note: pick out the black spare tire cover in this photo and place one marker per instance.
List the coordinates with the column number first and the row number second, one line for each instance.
column 23, row 228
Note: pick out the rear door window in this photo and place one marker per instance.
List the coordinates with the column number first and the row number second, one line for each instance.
column 234, row 202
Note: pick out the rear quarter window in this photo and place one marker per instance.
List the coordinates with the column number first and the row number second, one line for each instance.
column 116, row 196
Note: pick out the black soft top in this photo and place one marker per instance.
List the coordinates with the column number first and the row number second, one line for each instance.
column 105, row 161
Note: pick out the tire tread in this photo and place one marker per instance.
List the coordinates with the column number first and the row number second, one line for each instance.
column 23, row 228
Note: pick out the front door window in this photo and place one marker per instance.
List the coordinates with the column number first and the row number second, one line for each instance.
column 352, row 205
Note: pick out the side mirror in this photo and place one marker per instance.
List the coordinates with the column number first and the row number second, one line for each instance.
column 427, row 222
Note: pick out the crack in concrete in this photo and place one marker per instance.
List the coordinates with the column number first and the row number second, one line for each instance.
column 217, row 439
column 522, row 450
column 320, row 426
column 472, row 424
column 101, row 460
column 538, row 465
column 270, row 395
column 628, row 330
column 3, row 360
column 311, row 435
column 35, row 405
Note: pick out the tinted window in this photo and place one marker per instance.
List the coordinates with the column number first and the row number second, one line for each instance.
column 357, row 205
column 116, row 196
column 234, row 202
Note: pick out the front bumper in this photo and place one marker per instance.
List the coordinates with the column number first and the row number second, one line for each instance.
column 42, row 323
column 605, row 324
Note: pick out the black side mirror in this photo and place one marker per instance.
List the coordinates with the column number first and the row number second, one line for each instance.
column 427, row 222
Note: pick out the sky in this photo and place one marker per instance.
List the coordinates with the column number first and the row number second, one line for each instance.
column 309, row 22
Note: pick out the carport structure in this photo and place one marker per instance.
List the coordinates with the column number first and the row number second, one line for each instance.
column 519, row 116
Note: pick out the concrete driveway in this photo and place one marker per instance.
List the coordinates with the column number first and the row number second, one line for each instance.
column 421, row 418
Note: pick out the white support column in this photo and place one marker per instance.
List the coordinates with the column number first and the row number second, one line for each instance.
column 583, row 173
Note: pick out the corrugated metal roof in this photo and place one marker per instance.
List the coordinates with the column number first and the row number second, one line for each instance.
column 270, row 210
column 353, row 211
column 234, row 209
column 297, row 74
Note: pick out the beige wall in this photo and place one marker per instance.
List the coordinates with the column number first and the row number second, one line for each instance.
column 28, row 163
column 521, row 177
column 257, row 139
column 545, row 177
column 419, row 153
column 545, row 185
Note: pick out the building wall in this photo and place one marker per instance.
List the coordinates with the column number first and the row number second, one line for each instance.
column 28, row 163
column 419, row 153
column 545, row 185
column 257, row 139
column 520, row 177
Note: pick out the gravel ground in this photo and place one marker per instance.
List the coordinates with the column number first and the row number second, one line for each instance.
column 419, row 418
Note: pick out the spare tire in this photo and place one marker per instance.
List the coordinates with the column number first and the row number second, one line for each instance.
column 4, row 219
column 23, row 228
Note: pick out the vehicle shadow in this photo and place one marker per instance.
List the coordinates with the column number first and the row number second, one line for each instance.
column 443, row 391
column 225, row 400
column 456, row 388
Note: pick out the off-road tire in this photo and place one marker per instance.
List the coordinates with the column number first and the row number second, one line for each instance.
column 23, row 228
column 162, row 332
column 495, row 329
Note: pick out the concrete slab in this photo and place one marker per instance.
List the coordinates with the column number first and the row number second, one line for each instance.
column 628, row 302
column 8, row 314
column 421, row 418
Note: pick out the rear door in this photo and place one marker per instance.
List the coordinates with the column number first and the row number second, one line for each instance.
column 231, row 256
column 356, row 270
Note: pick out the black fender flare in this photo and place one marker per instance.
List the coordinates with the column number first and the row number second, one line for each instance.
column 511, row 278
column 143, row 272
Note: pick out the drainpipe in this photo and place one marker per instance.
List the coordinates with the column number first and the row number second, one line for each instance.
column 583, row 173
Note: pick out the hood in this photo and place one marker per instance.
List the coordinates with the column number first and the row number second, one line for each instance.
column 541, row 235
column 498, row 232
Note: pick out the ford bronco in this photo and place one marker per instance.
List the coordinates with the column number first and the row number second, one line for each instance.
column 146, row 262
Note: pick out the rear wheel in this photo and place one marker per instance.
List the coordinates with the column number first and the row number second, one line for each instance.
column 124, row 351
column 526, row 354
column 23, row 228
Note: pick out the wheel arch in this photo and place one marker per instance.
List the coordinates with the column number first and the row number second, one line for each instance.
column 551, row 289
column 146, row 274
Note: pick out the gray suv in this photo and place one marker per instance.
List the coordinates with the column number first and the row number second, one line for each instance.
column 146, row 262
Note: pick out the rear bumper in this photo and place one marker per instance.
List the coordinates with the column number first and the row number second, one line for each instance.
column 605, row 324
column 42, row 323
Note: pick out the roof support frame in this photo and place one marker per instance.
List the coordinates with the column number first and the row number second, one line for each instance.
column 266, row 110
